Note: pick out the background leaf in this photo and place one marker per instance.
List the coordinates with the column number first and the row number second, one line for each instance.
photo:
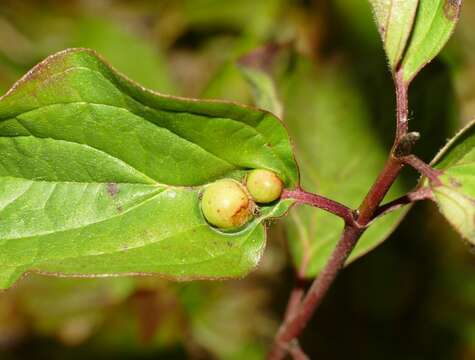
column 50, row 32
column 264, row 90
column 109, row 40
column 329, row 120
column 96, row 174
column 456, row 195
column 256, row 69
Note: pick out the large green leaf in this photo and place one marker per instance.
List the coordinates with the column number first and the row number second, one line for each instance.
column 101, row 176
column 455, row 195
column 414, row 31
column 395, row 19
column 340, row 156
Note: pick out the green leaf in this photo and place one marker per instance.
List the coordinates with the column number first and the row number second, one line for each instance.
column 340, row 156
column 414, row 31
column 455, row 195
column 101, row 176
column 434, row 24
column 395, row 19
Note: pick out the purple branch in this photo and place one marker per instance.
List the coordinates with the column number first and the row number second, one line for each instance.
column 402, row 106
column 423, row 193
column 318, row 201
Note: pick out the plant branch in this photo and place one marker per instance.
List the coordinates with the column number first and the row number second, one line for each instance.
column 354, row 228
column 321, row 202
column 423, row 193
column 379, row 189
column 291, row 328
column 295, row 299
column 402, row 106
column 423, row 168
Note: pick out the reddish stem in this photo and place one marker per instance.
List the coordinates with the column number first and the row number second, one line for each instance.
column 423, row 193
column 376, row 194
column 294, row 300
column 402, row 106
column 423, row 168
column 320, row 202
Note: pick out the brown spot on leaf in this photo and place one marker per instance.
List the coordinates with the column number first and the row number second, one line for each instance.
column 112, row 189
column 452, row 9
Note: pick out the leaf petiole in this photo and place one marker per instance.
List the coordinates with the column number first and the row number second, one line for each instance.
column 423, row 168
column 321, row 202
column 423, row 193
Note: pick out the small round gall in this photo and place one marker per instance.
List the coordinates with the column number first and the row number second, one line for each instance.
column 226, row 204
column 264, row 185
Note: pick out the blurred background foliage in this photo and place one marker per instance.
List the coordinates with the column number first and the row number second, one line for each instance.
column 411, row 298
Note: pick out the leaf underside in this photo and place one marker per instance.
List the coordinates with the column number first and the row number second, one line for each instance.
column 99, row 176
column 455, row 196
column 414, row 31
column 395, row 19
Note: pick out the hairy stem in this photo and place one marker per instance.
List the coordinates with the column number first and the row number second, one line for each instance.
column 334, row 207
column 293, row 326
column 402, row 107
